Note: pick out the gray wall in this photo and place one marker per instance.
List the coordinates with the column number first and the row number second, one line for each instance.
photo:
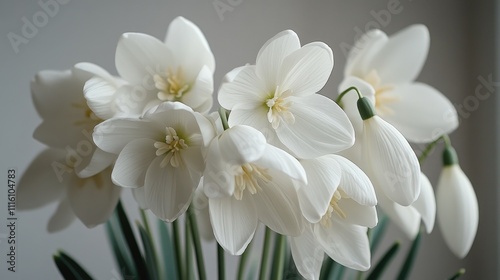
column 462, row 49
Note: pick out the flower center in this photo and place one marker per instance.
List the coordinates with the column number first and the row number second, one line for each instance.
column 383, row 95
column 171, row 85
column 279, row 108
column 334, row 208
column 247, row 178
column 170, row 148
column 88, row 118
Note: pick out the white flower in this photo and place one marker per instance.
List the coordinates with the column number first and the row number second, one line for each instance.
column 339, row 204
column 48, row 179
column 387, row 67
column 278, row 97
column 68, row 121
column 161, row 152
column 457, row 206
column 246, row 181
column 179, row 69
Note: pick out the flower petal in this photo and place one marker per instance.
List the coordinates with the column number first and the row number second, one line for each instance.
column 415, row 119
column 361, row 54
column 346, row 244
column 168, row 190
column 49, row 132
column 140, row 197
column 279, row 160
column 246, row 88
column 218, row 179
column 200, row 204
column 405, row 217
column 306, row 70
column 100, row 94
column 355, row 183
column 323, row 175
column 134, row 100
column 277, row 205
column 457, row 210
column 271, row 56
column 307, row 254
column 320, row 127
column 357, row 214
column 199, row 97
column 95, row 199
column 426, row 203
column 62, row 217
column 392, row 164
column 234, row 223
column 138, row 56
column 133, row 162
column 409, row 45
column 94, row 163
column 349, row 101
column 242, row 144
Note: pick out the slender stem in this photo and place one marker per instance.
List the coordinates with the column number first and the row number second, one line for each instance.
column 265, row 254
column 147, row 228
column 223, row 118
column 326, row 268
column 197, row 244
column 243, row 262
column 341, row 95
column 457, row 275
column 189, row 251
column 279, row 260
column 220, row 262
column 177, row 246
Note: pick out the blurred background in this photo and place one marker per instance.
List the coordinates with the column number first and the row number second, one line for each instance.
column 463, row 52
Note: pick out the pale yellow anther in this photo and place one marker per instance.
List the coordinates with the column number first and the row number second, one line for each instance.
column 171, row 85
column 247, row 178
column 170, row 148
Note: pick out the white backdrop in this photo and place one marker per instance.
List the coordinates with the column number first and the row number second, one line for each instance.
column 461, row 50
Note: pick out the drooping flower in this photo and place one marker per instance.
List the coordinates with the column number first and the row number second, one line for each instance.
column 388, row 67
column 339, row 204
column 457, row 206
column 161, row 152
column 68, row 121
column 247, row 181
column 278, row 96
column 49, row 179
column 179, row 69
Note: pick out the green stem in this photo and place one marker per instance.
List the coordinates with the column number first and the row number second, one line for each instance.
column 431, row 146
column 197, row 244
column 410, row 258
column 243, row 262
column 177, row 246
column 147, row 228
column 457, row 275
column 265, row 254
column 279, row 257
column 341, row 95
column 221, row 263
column 223, row 118
column 382, row 264
column 326, row 268
column 189, row 251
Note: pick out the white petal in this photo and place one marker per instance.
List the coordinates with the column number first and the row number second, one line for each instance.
column 112, row 135
column 189, row 47
column 199, row 97
column 94, row 163
column 254, row 117
column 426, row 203
column 392, row 163
column 168, row 190
column 307, row 254
column 95, row 199
column 246, row 88
column 362, row 53
column 349, row 101
column 357, row 214
column 140, row 197
column 200, row 204
column 277, row 205
column 323, row 175
column 457, row 210
column 355, row 183
column 100, row 95
column 306, row 70
column 139, row 56
column 62, row 132
column 320, row 127
column 415, row 119
column 345, row 244
column 234, row 223
column 39, row 184
column 62, row 218
column 279, row 160
column 218, row 179
column 85, row 71
column 133, row 100
column 409, row 45
column 272, row 54
column 133, row 162
column 405, row 217
column 242, row 144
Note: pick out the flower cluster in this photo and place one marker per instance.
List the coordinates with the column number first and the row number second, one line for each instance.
column 278, row 153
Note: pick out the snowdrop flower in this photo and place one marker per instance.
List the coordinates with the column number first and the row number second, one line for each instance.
column 161, row 152
column 278, row 96
column 179, row 69
column 68, row 121
column 246, row 181
column 91, row 200
column 388, row 67
column 457, row 211
column 339, row 204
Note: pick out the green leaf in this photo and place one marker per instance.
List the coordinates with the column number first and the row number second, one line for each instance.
column 69, row 268
column 410, row 258
column 265, row 254
column 377, row 233
column 382, row 264
column 243, row 262
column 169, row 260
column 279, row 257
column 197, row 244
column 150, row 253
column 120, row 250
column 337, row 271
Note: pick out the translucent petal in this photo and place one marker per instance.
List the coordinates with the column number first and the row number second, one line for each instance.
column 307, row 254
column 355, row 183
column 279, row 160
column 242, row 144
column 100, row 94
column 361, row 54
column 62, row 217
column 405, row 217
column 133, row 162
column 199, row 97
column 94, row 163
column 246, row 88
column 426, row 203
